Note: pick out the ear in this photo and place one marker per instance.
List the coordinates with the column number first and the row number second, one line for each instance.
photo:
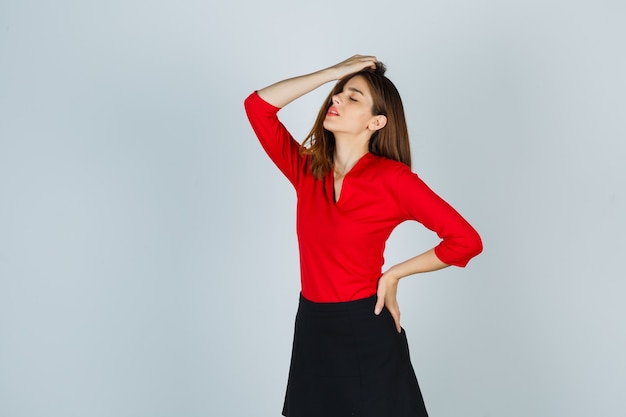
column 377, row 122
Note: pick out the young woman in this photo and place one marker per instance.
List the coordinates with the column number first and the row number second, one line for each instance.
column 354, row 184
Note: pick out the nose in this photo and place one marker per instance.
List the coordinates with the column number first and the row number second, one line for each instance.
column 335, row 99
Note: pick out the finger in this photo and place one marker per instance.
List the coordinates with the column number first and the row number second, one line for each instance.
column 396, row 320
column 369, row 62
column 363, row 61
column 379, row 306
column 380, row 303
column 363, row 58
column 394, row 310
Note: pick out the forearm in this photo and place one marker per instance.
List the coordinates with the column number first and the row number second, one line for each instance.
column 426, row 262
column 284, row 92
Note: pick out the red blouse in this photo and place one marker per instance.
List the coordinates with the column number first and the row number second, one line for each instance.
column 342, row 243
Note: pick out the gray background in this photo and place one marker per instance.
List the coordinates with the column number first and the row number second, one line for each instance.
column 148, row 259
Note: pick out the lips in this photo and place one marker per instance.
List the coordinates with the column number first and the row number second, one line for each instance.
column 332, row 112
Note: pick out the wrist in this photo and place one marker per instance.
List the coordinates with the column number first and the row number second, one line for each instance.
column 392, row 274
column 328, row 74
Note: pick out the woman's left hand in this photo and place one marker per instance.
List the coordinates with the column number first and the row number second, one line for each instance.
column 387, row 290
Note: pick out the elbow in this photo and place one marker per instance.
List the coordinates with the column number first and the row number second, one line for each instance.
column 476, row 245
column 473, row 246
column 248, row 103
column 459, row 252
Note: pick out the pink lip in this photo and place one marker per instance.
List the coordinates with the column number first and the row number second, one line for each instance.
column 332, row 112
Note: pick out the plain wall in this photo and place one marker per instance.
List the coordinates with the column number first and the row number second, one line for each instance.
column 148, row 257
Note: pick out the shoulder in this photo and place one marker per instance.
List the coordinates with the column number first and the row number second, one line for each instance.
column 388, row 169
column 397, row 179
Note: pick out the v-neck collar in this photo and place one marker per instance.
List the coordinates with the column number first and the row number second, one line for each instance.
column 337, row 199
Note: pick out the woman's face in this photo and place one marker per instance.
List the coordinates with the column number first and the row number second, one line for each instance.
column 351, row 110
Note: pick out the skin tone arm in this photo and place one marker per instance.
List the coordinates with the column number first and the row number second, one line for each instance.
column 286, row 91
column 388, row 282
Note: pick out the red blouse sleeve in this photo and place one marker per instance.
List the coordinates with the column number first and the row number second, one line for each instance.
column 278, row 143
column 460, row 242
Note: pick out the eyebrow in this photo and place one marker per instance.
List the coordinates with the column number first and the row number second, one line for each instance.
column 356, row 91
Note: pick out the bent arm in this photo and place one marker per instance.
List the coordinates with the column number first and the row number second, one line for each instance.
column 284, row 92
column 460, row 242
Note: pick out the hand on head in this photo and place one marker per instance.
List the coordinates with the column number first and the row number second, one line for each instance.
column 353, row 64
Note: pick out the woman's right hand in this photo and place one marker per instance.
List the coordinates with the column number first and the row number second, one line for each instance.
column 353, row 64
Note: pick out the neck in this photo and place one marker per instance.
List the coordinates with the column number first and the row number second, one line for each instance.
column 347, row 155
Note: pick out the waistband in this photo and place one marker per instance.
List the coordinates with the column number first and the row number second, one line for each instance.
column 354, row 305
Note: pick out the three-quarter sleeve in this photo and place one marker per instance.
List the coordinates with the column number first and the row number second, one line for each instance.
column 459, row 240
column 276, row 140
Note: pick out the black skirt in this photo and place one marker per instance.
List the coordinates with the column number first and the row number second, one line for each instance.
column 346, row 361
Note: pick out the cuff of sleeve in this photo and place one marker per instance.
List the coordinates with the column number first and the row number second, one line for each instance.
column 448, row 259
column 258, row 101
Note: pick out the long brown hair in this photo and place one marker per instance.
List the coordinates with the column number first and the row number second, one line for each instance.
column 392, row 141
